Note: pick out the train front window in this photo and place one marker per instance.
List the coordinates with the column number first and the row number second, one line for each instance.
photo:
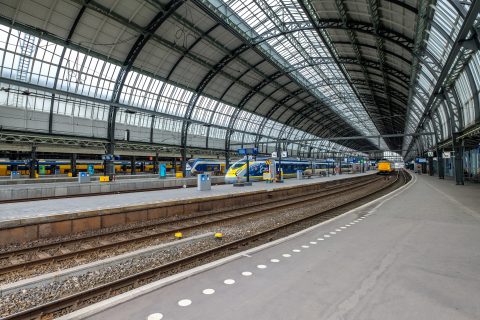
column 238, row 164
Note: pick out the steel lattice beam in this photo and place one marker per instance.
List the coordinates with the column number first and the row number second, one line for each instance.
column 466, row 28
column 135, row 50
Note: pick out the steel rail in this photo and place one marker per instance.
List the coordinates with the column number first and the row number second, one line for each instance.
column 191, row 223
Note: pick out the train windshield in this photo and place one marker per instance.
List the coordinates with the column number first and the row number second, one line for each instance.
column 238, row 164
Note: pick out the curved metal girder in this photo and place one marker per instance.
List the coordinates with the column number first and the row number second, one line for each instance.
column 251, row 44
column 201, row 87
column 464, row 31
column 243, row 102
column 67, row 41
column 376, row 65
column 366, row 45
column 356, row 26
column 392, row 78
column 274, row 108
column 228, row 89
column 361, row 82
column 174, row 67
column 141, row 41
column 316, row 61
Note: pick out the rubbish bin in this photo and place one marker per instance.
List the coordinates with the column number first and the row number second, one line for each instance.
column 15, row 175
column 203, row 182
column 83, row 177
column 299, row 174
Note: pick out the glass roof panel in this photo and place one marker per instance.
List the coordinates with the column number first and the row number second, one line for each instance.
column 93, row 77
column 266, row 17
column 446, row 24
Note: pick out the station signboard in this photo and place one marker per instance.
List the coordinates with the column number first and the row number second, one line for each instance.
column 247, row 151
column 447, row 155
column 107, row 157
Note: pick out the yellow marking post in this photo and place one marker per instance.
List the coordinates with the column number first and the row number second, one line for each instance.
column 218, row 235
column 178, row 235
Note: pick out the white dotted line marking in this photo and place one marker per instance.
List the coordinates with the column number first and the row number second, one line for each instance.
column 229, row 281
column 262, row 266
column 286, row 255
column 326, row 236
column 306, row 247
column 208, row 291
column 297, row 250
column 320, row 239
column 184, row 302
column 343, row 227
column 246, row 273
column 155, row 316
column 313, row 242
column 274, row 260
column 338, row 230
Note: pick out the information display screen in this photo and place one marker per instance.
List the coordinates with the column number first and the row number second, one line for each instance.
column 247, row 151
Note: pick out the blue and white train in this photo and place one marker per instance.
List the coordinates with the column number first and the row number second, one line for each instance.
column 198, row 166
column 238, row 170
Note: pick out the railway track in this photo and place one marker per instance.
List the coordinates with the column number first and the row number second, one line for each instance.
column 47, row 257
column 84, row 298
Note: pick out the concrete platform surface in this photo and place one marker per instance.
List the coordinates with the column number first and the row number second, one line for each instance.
column 74, row 182
column 414, row 256
column 72, row 189
column 23, row 210
column 64, row 178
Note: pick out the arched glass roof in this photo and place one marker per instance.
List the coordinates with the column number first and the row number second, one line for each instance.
column 219, row 74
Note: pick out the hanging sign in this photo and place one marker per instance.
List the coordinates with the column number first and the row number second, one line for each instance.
column 247, row 151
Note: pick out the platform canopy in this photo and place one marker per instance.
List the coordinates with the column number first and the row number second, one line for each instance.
column 221, row 74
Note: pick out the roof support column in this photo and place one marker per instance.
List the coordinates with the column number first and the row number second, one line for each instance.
column 458, row 151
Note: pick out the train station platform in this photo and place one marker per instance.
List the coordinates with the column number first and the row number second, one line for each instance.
column 74, row 188
column 50, row 207
column 412, row 254
column 43, row 208
column 64, row 178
